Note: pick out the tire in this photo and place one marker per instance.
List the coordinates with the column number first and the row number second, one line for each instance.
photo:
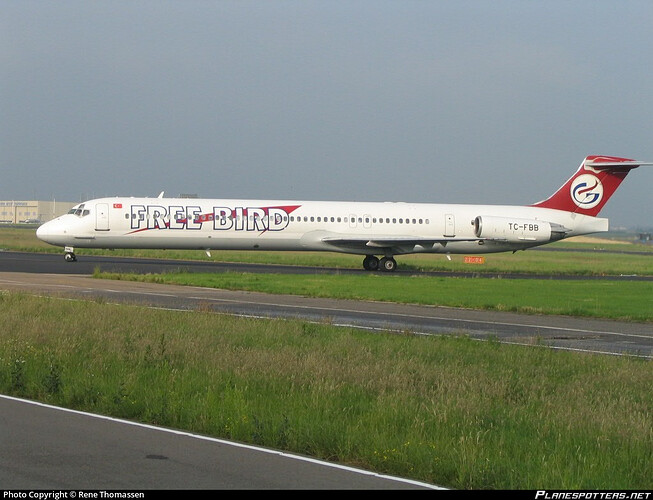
column 371, row 263
column 388, row 264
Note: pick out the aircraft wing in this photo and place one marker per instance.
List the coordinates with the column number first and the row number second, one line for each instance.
column 397, row 244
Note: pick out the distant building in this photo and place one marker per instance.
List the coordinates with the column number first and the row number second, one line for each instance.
column 17, row 212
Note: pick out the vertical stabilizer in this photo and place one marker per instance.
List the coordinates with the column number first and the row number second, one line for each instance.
column 589, row 189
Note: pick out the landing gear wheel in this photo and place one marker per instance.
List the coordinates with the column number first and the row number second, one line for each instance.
column 70, row 257
column 371, row 263
column 388, row 264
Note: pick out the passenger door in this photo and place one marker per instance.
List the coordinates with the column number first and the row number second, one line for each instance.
column 449, row 225
column 102, row 217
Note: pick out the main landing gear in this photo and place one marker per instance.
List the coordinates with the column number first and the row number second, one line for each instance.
column 69, row 255
column 373, row 263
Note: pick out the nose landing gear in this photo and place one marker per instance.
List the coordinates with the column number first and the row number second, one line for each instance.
column 69, row 255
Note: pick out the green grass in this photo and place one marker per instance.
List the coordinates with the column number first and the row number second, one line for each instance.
column 631, row 301
column 584, row 262
column 446, row 410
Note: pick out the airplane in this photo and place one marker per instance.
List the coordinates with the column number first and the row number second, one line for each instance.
column 377, row 230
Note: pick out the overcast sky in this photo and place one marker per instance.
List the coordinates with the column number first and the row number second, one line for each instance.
column 430, row 101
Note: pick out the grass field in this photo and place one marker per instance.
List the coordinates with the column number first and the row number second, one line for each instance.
column 446, row 410
column 590, row 257
column 622, row 300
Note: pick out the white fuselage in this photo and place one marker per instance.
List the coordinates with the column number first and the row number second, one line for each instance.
column 365, row 228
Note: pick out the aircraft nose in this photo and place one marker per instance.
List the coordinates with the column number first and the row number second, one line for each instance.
column 42, row 232
column 49, row 232
column 59, row 231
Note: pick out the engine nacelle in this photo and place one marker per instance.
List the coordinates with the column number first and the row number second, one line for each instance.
column 517, row 230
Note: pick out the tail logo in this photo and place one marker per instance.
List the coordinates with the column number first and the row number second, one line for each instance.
column 586, row 191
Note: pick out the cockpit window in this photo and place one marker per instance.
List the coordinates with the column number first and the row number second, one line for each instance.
column 79, row 211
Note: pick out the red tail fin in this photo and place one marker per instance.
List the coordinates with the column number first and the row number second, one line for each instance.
column 591, row 186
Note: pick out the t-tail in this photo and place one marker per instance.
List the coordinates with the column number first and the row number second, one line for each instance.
column 589, row 189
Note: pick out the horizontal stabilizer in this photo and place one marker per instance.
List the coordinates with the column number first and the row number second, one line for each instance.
column 598, row 163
